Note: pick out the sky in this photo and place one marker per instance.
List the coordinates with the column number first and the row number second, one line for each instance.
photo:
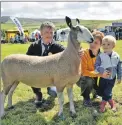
column 81, row 10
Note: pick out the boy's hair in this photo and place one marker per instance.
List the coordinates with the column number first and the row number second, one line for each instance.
column 99, row 35
column 109, row 38
column 47, row 24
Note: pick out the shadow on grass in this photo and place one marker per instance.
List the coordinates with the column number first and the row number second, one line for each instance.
column 26, row 113
column 80, row 111
column 30, row 103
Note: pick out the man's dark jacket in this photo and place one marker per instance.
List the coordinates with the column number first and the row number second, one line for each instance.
column 36, row 48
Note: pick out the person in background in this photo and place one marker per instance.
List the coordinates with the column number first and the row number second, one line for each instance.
column 108, row 61
column 36, row 36
column 26, row 39
column 54, row 36
column 11, row 40
column 33, row 37
column 16, row 38
column 21, row 38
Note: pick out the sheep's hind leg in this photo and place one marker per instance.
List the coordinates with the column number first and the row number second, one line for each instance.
column 2, row 101
column 70, row 96
column 11, row 93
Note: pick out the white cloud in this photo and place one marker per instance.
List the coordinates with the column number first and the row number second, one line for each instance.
column 83, row 10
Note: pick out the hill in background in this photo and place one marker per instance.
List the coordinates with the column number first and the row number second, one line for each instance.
column 32, row 24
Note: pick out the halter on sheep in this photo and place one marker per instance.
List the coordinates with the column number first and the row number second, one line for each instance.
column 60, row 70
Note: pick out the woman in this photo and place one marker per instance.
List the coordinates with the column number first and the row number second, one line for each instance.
column 88, row 79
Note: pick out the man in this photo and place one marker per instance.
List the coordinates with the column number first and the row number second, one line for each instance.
column 42, row 47
column 33, row 37
column 21, row 38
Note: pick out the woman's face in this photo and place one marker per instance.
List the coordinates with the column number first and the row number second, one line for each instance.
column 95, row 46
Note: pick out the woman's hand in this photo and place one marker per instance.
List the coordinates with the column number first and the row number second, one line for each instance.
column 81, row 52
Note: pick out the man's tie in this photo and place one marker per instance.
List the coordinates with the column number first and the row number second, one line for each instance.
column 45, row 53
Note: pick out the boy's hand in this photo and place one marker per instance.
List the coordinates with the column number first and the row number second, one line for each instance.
column 106, row 74
column 119, row 81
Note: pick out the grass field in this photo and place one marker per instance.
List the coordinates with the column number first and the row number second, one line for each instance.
column 25, row 113
column 93, row 24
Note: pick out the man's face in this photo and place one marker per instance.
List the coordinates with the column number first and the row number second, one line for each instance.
column 107, row 46
column 47, row 34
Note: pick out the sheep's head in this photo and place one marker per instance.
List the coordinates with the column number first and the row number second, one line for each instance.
column 81, row 32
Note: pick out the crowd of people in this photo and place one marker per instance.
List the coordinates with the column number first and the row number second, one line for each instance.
column 19, row 39
column 117, row 33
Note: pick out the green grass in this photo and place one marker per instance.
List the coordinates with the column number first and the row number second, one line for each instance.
column 93, row 24
column 25, row 113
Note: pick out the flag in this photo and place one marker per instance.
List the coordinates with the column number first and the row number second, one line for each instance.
column 18, row 24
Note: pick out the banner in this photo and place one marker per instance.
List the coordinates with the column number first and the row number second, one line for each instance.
column 18, row 24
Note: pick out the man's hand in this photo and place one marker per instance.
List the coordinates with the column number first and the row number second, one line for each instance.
column 118, row 81
column 106, row 74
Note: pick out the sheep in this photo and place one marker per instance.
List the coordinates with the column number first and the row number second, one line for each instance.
column 60, row 70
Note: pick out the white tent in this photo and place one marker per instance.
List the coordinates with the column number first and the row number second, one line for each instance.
column 34, row 32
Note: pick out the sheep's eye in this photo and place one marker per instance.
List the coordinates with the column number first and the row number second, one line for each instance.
column 79, row 29
column 108, row 44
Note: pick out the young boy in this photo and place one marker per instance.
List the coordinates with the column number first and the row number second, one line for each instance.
column 108, row 61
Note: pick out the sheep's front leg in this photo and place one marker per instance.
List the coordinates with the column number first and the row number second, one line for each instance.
column 61, row 102
column 70, row 95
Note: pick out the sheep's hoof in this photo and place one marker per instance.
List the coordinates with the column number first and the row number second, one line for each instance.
column 61, row 116
column 72, row 114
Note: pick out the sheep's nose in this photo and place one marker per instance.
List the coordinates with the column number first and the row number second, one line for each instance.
column 92, row 40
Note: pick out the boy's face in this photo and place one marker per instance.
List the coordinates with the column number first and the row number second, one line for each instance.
column 107, row 46
column 47, row 34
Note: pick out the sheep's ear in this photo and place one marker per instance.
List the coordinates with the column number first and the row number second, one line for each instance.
column 68, row 21
column 78, row 21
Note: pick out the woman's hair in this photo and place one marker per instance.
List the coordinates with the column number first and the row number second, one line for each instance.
column 99, row 35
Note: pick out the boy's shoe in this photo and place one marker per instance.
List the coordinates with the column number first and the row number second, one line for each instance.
column 87, row 103
column 42, row 104
column 112, row 104
column 102, row 106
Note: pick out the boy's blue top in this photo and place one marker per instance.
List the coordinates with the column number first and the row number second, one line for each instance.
column 110, row 63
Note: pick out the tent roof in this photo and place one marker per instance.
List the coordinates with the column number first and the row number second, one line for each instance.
column 10, row 30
